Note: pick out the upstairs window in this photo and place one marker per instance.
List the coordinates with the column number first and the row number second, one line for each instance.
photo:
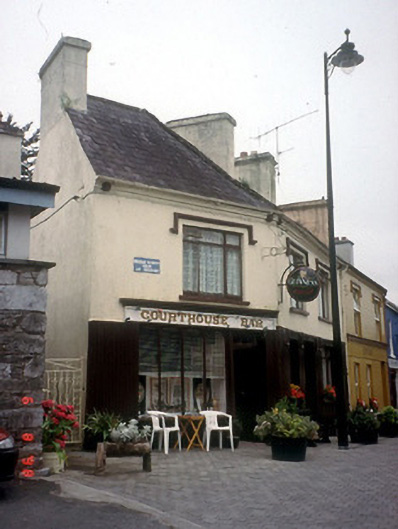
column 377, row 316
column 212, row 264
column 324, row 293
column 297, row 257
column 2, row 231
column 356, row 297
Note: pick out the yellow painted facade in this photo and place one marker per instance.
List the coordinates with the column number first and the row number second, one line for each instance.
column 363, row 314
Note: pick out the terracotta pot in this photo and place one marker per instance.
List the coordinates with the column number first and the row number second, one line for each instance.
column 52, row 461
column 288, row 449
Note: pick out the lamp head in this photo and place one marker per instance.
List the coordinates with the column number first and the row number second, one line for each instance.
column 346, row 57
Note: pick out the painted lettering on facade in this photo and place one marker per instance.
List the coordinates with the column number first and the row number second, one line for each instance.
column 179, row 317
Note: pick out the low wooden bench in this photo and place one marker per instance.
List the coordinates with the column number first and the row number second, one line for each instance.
column 105, row 450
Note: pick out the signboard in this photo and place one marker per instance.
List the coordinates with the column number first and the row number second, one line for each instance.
column 303, row 284
column 199, row 319
column 145, row 265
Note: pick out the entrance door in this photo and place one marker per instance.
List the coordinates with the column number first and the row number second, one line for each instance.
column 250, row 384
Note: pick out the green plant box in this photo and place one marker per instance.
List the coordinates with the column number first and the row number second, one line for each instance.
column 388, row 430
column 288, row 448
column 365, row 438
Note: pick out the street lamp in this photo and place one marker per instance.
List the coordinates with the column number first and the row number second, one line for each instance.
column 345, row 57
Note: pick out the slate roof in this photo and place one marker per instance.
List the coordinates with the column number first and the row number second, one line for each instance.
column 131, row 144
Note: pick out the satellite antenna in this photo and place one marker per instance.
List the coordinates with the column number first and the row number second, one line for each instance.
column 276, row 130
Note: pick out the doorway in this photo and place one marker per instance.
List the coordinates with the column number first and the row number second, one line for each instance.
column 250, row 382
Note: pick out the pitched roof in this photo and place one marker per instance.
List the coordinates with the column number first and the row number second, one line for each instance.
column 130, row 144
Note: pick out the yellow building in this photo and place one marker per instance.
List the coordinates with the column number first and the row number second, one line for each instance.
column 362, row 301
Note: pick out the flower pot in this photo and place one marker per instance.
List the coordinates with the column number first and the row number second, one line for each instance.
column 52, row 461
column 288, row 448
column 127, row 449
column 388, row 429
column 366, row 438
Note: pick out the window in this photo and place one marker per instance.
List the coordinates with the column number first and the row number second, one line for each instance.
column 324, row 293
column 377, row 315
column 369, row 381
column 326, row 368
column 356, row 296
column 297, row 257
column 2, row 231
column 212, row 263
column 357, row 381
column 182, row 369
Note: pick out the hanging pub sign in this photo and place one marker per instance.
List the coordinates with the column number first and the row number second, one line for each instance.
column 303, row 284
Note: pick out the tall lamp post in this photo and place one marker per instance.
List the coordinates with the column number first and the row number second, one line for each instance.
column 345, row 57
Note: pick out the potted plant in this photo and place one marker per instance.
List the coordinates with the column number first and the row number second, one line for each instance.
column 388, row 418
column 58, row 422
column 329, row 394
column 363, row 424
column 287, row 432
column 125, row 435
column 100, row 424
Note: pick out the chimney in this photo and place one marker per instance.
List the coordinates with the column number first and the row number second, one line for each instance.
column 63, row 80
column 345, row 249
column 257, row 170
column 213, row 134
column 10, row 150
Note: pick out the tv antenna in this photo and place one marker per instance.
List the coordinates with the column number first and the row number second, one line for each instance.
column 276, row 130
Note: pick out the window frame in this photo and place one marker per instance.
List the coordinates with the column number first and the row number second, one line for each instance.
column 357, row 380
column 224, row 296
column 369, row 381
column 294, row 250
column 324, row 292
column 377, row 306
column 356, row 292
column 3, row 230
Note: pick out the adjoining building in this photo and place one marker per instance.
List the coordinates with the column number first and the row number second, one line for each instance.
column 391, row 311
column 22, row 298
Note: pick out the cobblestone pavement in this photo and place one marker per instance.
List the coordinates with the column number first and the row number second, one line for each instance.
column 332, row 489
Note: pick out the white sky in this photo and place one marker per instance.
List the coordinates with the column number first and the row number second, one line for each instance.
column 259, row 60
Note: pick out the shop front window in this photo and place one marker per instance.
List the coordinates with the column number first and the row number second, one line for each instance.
column 181, row 362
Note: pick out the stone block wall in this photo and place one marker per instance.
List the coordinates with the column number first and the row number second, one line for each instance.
column 22, row 351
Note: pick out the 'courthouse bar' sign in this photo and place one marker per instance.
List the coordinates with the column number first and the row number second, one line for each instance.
column 201, row 319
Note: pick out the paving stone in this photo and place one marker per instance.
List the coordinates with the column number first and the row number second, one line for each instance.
column 332, row 488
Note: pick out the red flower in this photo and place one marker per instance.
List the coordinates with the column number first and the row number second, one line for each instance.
column 47, row 404
column 60, row 442
column 55, row 420
column 75, row 425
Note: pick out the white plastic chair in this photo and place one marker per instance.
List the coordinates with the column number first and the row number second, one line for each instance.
column 212, row 425
column 157, row 427
column 159, row 424
column 168, row 429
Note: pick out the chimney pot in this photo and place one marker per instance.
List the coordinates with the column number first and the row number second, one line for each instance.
column 243, row 154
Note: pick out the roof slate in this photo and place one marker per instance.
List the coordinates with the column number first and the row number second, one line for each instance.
column 131, row 144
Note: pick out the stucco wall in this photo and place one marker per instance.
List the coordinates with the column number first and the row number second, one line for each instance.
column 368, row 324
column 125, row 227
column 65, row 239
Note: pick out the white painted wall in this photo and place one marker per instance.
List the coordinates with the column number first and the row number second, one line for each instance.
column 18, row 236
column 10, row 155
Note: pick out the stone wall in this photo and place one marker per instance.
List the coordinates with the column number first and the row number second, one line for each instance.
column 22, row 351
